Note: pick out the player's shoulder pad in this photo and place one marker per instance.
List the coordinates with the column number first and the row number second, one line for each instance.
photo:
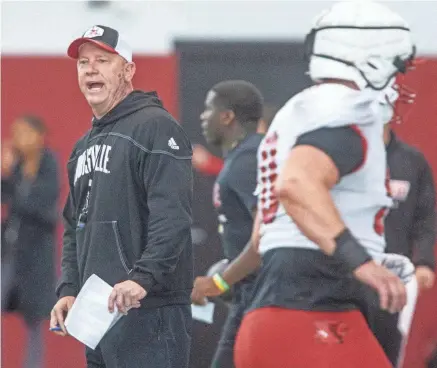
column 162, row 134
column 332, row 105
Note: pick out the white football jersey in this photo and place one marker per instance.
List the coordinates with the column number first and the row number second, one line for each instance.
column 361, row 197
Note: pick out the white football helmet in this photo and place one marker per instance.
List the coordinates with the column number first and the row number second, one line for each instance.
column 360, row 41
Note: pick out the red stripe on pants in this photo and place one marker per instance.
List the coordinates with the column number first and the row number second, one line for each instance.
column 286, row 338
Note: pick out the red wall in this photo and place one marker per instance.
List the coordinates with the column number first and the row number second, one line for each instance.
column 48, row 87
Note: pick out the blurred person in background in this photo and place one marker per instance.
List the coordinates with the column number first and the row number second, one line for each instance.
column 208, row 164
column 411, row 222
column 30, row 190
column 128, row 214
column 233, row 109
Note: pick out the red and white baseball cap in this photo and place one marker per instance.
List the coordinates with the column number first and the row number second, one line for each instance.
column 104, row 37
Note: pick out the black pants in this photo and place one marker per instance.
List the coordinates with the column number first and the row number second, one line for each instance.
column 386, row 331
column 224, row 355
column 146, row 338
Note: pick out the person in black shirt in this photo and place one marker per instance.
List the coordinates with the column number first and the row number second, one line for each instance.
column 411, row 223
column 410, row 228
column 232, row 111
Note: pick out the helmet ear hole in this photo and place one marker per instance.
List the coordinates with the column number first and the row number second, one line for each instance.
column 404, row 65
column 401, row 65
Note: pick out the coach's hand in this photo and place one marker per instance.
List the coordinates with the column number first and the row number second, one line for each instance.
column 59, row 312
column 391, row 290
column 204, row 286
column 126, row 295
column 425, row 277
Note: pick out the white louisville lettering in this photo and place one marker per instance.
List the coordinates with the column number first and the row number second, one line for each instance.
column 95, row 158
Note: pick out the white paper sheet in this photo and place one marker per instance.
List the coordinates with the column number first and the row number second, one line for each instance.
column 89, row 318
column 203, row 313
column 406, row 318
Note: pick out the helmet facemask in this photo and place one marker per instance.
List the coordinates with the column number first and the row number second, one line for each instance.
column 400, row 97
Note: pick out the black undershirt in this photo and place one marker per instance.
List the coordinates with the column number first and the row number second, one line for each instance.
column 343, row 145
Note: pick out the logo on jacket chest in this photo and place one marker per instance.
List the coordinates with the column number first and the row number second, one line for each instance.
column 95, row 158
column 399, row 189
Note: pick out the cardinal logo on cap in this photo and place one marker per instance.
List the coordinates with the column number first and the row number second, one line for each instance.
column 94, row 32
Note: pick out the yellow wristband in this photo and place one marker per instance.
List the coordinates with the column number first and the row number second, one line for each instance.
column 220, row 283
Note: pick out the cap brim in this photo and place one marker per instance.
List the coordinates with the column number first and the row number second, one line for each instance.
column 73, row 49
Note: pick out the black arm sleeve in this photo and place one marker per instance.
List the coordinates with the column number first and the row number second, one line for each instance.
column 69, row 283
column 168, row 180
column 424, row 227
column 343, row 144
column 243, row 179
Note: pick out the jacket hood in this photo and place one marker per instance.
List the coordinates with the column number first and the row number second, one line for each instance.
column 136, row 100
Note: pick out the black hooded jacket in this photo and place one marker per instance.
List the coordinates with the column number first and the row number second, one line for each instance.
column 411, row 223
column 128, row 213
